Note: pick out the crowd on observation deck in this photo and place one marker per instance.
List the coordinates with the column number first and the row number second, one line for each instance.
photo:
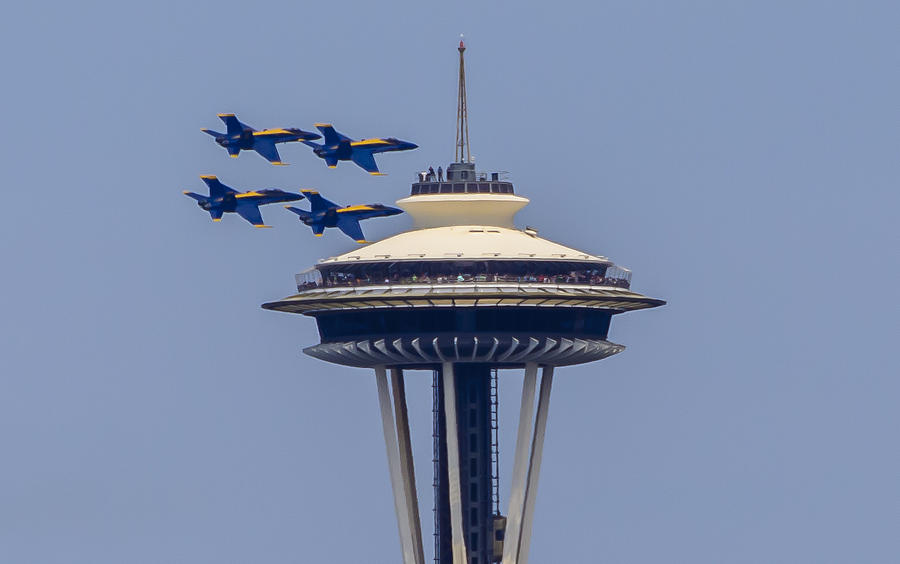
column 340, row 279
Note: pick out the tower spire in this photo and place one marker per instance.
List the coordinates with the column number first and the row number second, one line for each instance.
column 463, row 154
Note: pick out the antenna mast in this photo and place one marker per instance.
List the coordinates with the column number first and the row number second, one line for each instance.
column 463, row 154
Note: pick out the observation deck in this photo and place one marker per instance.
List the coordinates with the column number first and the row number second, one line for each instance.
column 464, row 285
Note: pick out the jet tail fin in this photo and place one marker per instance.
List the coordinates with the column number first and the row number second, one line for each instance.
column 331, row 136
column 214, row 212
column 234, row 126
column 317, row 202
column 216, row 188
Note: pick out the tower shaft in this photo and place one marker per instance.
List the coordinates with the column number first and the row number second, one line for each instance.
column 463, row 154
column 472, row 387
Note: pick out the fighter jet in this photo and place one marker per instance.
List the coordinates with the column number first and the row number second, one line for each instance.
column 339, row 147
column 241, row 136
column 223, row 199
column 324, row 214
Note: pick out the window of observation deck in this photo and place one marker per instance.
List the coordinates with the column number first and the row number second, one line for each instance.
column 420, row 188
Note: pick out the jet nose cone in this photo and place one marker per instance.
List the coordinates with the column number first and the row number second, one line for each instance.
column 408, row 145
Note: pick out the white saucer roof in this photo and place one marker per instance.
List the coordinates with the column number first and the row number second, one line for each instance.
column 467, row 242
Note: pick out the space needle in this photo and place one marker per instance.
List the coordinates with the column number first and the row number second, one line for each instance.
column 463, row 295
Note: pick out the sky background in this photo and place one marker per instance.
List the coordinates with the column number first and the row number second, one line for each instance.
column 740, row 157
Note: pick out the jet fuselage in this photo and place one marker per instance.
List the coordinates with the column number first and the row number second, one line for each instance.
column 329, row 217
column 338, row 147
column 245, row 139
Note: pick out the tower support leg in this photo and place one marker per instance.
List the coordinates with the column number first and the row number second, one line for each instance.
column 534, row 468
column 456, row 517
column 407, row 468
column 520, row 468
column 393, row 456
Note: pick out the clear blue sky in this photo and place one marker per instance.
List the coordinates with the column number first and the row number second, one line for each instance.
column 740, row 157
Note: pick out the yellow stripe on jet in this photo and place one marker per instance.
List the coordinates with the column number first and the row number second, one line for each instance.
column 248, row 194
column 369, row 142
column 355, row 208
column 272, row 132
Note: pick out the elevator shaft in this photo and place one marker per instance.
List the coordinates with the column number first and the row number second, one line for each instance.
column 472, row 387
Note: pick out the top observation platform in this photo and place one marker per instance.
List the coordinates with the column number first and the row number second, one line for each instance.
column 462, row 178
column 466, row 198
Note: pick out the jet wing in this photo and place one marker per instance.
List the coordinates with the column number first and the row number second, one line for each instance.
column 365, row 160
column 250, row 212
column 266, row 148
column 350, row 227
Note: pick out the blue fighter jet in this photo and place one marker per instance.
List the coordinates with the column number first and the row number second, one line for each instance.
column 339, row 147
column 242, row 136
column 324, row 214
column 223, row 199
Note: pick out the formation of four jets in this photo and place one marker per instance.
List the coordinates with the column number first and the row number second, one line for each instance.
column 323, row 213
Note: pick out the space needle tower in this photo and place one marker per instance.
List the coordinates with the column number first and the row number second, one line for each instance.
column 464, row 295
